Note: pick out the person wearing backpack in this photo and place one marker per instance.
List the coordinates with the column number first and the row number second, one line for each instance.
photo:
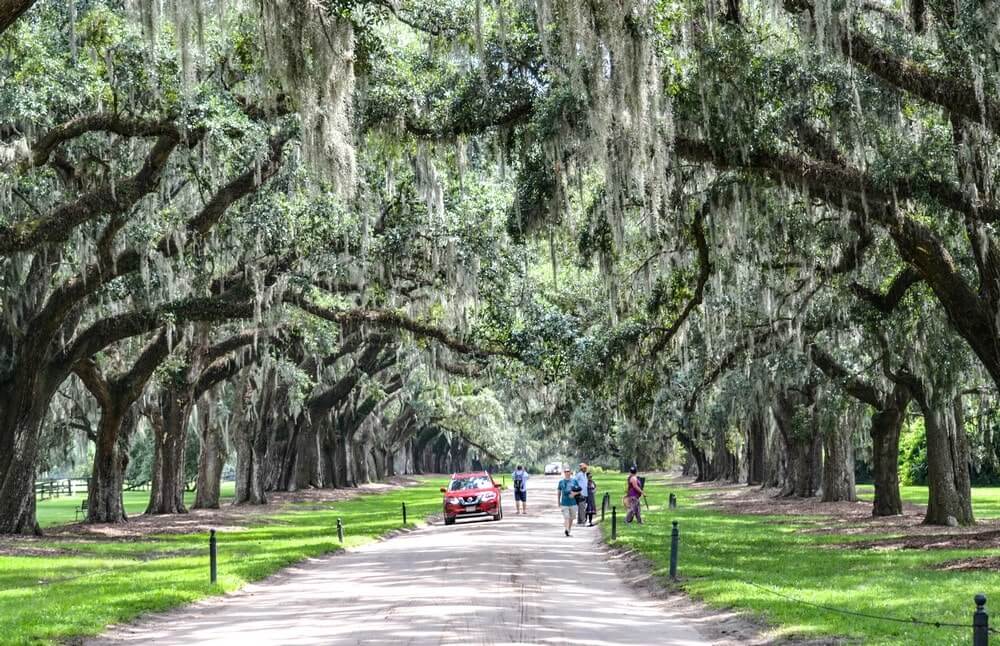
column 634, row 496
column 520, row 479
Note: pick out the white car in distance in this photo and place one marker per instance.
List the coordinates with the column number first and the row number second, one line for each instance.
column 553, row 468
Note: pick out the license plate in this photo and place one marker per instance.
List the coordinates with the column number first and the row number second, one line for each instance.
column 470, row 508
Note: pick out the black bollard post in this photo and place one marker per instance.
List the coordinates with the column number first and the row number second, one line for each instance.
column 340, row 530
column 404, row 513
column 213, row 556
column 614, row 523
column 674, row 540
column 980, row 622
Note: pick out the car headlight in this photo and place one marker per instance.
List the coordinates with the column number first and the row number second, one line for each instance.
column 454, row 501
column 489, row 496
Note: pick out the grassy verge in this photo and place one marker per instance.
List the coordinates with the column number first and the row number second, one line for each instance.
column 62, row 510
column 84, row 586
column 741, row 561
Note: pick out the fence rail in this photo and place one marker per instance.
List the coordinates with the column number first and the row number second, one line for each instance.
column 58, row 487
column 54, row 488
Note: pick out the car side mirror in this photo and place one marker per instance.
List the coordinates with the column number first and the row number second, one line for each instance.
column 443, row 490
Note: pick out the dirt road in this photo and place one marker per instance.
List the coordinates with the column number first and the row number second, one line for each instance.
column 517, row 581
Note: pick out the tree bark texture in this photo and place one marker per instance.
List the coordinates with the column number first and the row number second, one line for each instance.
column 950, row 495
column 756, row 441
column 886, row 425
column 802, row 443
column 170, row 422
column 838, row 466
column 23, row 405
column 105, row 502
column 211, row 458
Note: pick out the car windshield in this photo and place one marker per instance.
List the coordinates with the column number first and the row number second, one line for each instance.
column 475, row 482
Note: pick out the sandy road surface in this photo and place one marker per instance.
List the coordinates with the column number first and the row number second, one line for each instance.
column 517, row 581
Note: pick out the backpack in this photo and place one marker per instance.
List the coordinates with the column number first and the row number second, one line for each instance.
column 518, row 483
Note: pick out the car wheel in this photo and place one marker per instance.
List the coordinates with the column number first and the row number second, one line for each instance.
column 449, row 521
column 499, row 515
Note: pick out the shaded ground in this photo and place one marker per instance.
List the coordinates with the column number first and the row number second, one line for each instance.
column 944, row 541
column 517, row 581
column 846, row 518
column 971, row 564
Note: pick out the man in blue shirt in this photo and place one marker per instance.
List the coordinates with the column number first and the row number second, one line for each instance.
column 520, row 478
column 567, row 501
column 581, row 503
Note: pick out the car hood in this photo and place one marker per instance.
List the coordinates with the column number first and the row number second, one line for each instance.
column 468, row 492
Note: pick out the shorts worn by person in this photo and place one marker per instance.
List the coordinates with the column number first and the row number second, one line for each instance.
column 567, row 501
column 581, row 500
column 520, row 479
column 634, row 495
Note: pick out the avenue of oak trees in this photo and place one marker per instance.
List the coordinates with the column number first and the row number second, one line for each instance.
column 325, row 234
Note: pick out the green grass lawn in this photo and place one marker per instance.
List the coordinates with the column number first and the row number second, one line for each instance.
column 985, row 500
column 724, row 557
column 62, row 510
column 95, row 583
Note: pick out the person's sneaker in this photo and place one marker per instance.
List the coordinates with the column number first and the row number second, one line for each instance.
column 567, row 531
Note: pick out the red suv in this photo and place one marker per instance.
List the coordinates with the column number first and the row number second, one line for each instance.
column 471, row 494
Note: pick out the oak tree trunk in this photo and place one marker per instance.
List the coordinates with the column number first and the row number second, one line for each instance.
column 359, row 461
column 756, row 441
column 885, row 429
column 802, row 443
column 949, row 498
column 170, row 440
column 308, row 470
column 23, row 405
column 838, row 466
column 210, row 461
column 107, row 481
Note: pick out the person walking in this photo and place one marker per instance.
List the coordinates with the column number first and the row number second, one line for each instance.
column 567, row 501
column 581, row 501
column 520, row 478
column 591, row 499
column 634, row 496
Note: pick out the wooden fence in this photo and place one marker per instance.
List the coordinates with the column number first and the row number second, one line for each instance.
column 45, row 489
